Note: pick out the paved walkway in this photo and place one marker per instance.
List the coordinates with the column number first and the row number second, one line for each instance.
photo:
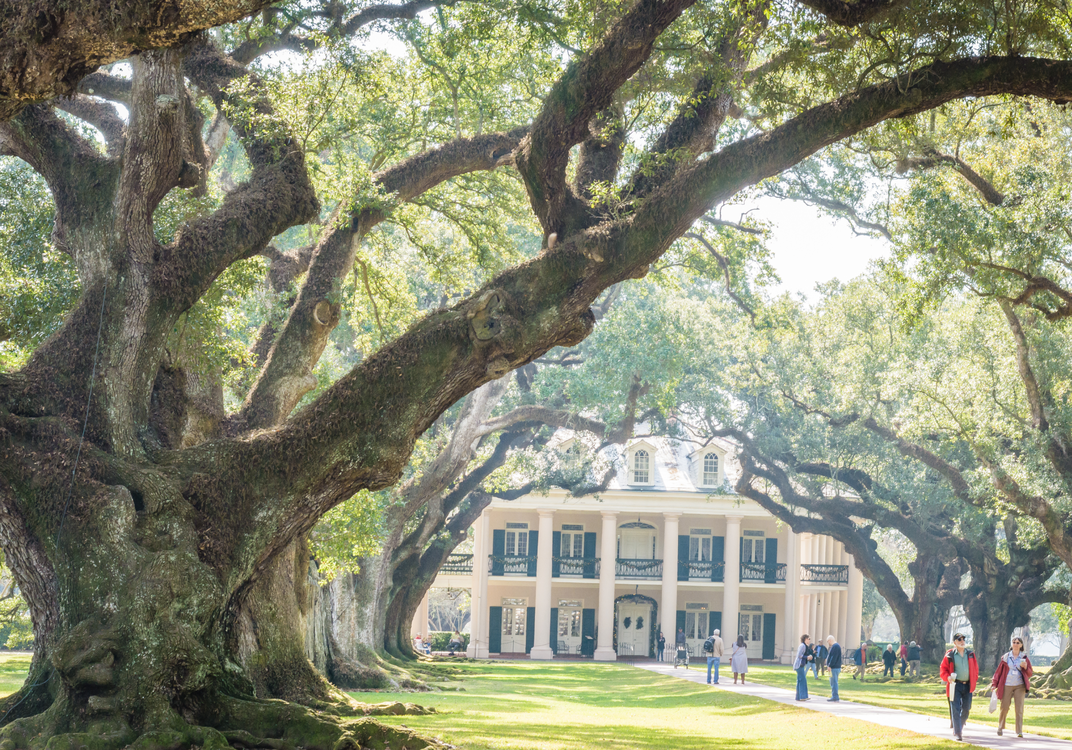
column 976, row 734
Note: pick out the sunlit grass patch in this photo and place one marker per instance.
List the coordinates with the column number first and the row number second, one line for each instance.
column 575, row 706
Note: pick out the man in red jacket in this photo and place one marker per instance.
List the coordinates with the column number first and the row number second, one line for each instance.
column 960, row 671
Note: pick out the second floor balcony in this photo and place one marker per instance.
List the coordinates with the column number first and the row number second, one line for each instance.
column 837, row 575
column 458, row 564
column 648, row 569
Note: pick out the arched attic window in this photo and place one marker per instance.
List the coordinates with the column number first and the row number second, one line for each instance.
column 710, row 469
column 641, row 467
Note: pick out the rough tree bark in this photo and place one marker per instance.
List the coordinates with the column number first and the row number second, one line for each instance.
column 136, row 555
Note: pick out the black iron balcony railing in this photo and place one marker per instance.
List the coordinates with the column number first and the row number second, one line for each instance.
column 585, row 567
column 836, row 574
column 458, row 564
column 506, row 565
column 705, row 570
column 763, row 572
column 638, row 568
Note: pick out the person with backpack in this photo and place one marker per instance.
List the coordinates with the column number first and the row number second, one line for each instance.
column 713, row 650
column 913, row 659
column 959, row 672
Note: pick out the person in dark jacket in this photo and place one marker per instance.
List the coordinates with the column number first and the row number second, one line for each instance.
column 960, row 672
column 821, row 653
column 662, row 646
column 913, row 659
column 889, row 658
column 833, row 660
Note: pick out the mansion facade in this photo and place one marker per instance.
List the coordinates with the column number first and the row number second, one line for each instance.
column 666, row 546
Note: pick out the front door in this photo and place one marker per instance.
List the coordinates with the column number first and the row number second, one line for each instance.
column 634, row 629
column 514, row 613
column 569, row 627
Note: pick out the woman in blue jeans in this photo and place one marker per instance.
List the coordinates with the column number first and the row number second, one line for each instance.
column 800, row 664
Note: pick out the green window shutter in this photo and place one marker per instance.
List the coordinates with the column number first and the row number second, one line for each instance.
column 588, row 632
column 554, row 630
column 683, row 558
column 534, row 546
column 769, row 624
column 718, row 555
column 680, row 625
column 495, row 630
column 498, row 549
column 770, row 575
column 556, row 548
column 530, row 628
column 714, row 621
column 590, row 554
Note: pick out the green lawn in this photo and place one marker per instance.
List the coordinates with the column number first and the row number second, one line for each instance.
column 1048, row 717
column 583, row 705
column 13, row 669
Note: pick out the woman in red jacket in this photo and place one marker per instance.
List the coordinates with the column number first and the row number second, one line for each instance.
column 1012, row 681
column 960, row 671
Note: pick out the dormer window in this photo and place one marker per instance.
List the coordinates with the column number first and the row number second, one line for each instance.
column 710, row 469
column 641, row 467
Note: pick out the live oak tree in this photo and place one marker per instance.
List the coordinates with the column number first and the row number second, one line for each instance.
column 854, row 428
column 136, row 553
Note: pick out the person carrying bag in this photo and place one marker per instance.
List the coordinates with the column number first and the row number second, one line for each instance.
column 1011, row 684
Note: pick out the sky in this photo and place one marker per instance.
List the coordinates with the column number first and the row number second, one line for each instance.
column 809, row 247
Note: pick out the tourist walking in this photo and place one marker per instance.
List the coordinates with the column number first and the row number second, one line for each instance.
column 739, row 659
column 833, row 660
column 820, row 659
column 913, row 659
column 960, row 672
column 805, row 657
column 1012, row 682
column 888, row 660
column 713, row 648
column 662, row 646
column 861, row 661
column 903, row 653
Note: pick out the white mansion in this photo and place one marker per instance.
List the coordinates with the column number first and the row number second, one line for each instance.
column 666, row 546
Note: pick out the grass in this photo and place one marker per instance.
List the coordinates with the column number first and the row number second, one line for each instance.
column 583, row 705
column 13, row 669
column 1047, row 717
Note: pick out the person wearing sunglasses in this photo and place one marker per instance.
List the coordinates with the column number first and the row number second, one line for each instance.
column 1012, row 681
column 960, row 672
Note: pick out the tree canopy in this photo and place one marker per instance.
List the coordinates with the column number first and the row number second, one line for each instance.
column 171, row 427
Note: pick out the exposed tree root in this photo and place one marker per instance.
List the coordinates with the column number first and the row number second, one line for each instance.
column 236, row 723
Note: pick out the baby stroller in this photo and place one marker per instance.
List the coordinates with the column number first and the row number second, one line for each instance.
column 682, row 656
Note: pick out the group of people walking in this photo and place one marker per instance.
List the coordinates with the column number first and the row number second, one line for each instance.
column 1011, row 683
column 959, row 670
column 714, row 649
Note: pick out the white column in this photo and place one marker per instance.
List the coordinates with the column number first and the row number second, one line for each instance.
column 477, row 605
column 792, row 584
column 813, row 609
column 856, row 604
column 668, row 605
column 485, row 619
column 835, row 614
column 541, row 637
column 843, row 600
column 420, row 619
column 731, row 593
column 608, row 552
